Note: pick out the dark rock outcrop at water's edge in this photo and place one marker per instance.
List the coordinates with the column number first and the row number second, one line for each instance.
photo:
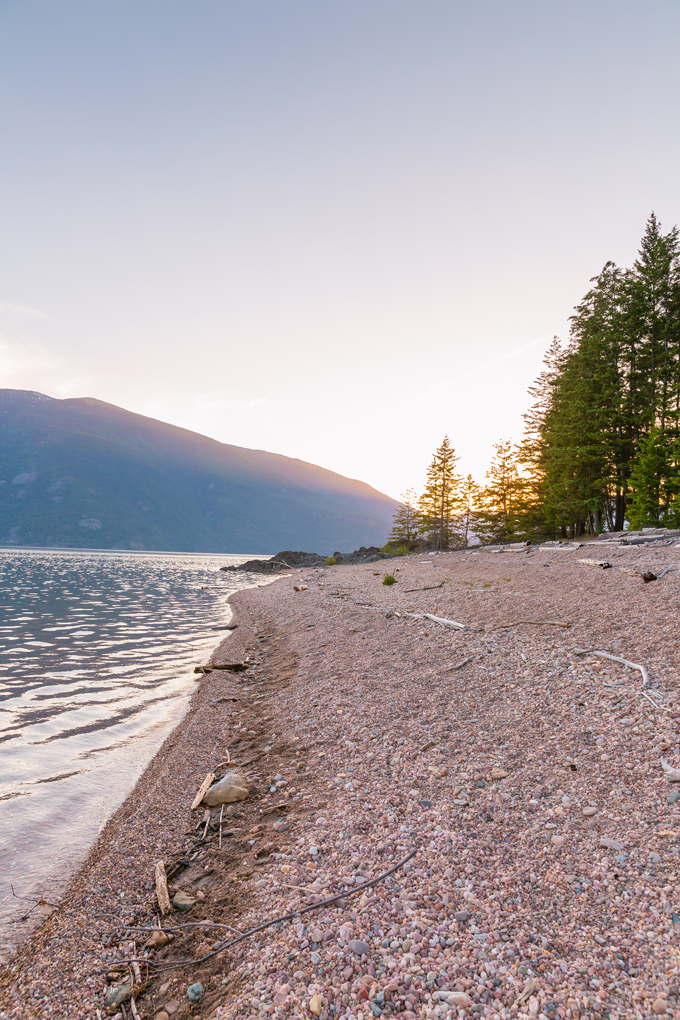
column 287, row 560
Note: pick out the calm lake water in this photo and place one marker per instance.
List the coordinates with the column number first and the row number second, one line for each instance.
column 97, row 651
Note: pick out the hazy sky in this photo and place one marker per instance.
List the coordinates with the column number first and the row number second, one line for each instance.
column 333, row 230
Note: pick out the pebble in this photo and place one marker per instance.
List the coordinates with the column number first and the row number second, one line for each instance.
column 183, row 900
column 195, row 992
column 673, row 797
column 359, row 947
column 548, row 919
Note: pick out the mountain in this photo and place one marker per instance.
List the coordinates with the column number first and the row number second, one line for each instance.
column 83, row 473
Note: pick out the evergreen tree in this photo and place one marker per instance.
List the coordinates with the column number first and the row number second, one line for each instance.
column 406, row 524
column 503, row 498
column 440, row 499
column 470, row 502
column 655, row 483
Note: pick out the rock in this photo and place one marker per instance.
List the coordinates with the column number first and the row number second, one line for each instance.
column 659, row 1006
column 315, row 1005
column 172, row 1006
column 162, row 1015
column 558, row 840
column 654, row 857
column 118, row 993
column 158, row 939
column 301, row 587
column 611, row 844
column 673, row 797
column 230, row 788
column 459, row 999
column 195, row 992
column 281, row 995
column 600, row 941
column 183, row 901
column 499, row 773
column 462, row 915
column 317, row 935
column 281, row 826
column 359, row 947
column 590, row 811
column 315, row 958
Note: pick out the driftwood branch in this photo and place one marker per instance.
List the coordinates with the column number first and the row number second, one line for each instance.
column 436, row 619
column 646, row 682
column 431, row 587
column 202, row 790
column 531, row 623
column 162, row 894
column 672, row 775
column 602, row 564
column 459, row 665
column 275, row 920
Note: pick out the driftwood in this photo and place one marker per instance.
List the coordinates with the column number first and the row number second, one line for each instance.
column 602, row 564
column 531, row 623
column 672, row 775
column 268, row 924
column 436, row 619
column 646, row 682
column 459, row 665
column 431, row 587
column 202, row 790
column 162, row 894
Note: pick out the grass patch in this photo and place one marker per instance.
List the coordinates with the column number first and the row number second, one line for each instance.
column 389, row 579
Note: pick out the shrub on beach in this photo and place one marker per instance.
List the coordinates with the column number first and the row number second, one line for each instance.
column 389, row 579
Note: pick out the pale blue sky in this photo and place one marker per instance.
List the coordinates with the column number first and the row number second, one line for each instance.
column 330, row 230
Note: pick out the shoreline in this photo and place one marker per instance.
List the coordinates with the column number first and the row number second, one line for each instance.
column 387, row 741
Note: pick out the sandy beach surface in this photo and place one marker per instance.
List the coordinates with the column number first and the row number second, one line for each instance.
column 525, row 776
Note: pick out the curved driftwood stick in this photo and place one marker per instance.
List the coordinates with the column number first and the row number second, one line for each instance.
column 646, row 682
column 276, row 920
column 459, row 665
column 673, row 775
column 436, row 619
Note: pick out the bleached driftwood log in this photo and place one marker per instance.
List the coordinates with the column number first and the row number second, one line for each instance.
column 162, row 894
column 202, row 790
column 646, row 682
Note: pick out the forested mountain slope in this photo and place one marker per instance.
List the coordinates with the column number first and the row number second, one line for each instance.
column 83, row 473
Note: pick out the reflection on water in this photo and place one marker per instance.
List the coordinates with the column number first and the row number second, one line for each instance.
column 97, row 651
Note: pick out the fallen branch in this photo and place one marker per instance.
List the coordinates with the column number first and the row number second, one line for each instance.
column 219, row 845
column 162, row 894
column 646, row 682
column 431, row 587
column 202, row 790
column 673, row 775
column 436, row 619
column 459, row 665
column 531, row 623
column 664, row 572
column 276, row 920
column 602, row 564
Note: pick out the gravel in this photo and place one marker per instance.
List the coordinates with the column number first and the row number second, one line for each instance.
column 550, row 892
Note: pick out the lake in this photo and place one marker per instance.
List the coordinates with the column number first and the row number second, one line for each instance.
column 97, row 651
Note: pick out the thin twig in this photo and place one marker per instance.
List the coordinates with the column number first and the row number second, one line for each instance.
column 276, row 920
column 431, row 587
column 532, row 623
column 459, row 665
column 663, row 573
column 219, row 845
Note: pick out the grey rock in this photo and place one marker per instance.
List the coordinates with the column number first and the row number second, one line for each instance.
column 673, row 797
column 462, row 915
column 359, row 947
column 315, row 958
column 654, row 857
column 194, row 992
column 611, row 844
column 118, row 993
column 183, row 901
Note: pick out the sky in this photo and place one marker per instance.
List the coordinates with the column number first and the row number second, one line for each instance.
column 335, row 231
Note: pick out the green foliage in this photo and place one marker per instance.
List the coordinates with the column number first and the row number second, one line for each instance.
column 599, row 447
column 407, row 521
column 389, row 579
column 440, row 500
column 331, row 561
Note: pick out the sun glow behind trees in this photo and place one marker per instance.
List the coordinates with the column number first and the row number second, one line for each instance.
column 601, row 448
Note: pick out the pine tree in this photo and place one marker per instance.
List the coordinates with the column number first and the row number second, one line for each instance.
column 440, row 499
column 655, row 482
column 503, row 496
column 406, row 524
column 470, row 508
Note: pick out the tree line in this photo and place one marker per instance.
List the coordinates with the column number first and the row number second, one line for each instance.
column 601, row 446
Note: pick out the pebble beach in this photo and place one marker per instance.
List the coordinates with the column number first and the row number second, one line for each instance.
column 518, row 772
